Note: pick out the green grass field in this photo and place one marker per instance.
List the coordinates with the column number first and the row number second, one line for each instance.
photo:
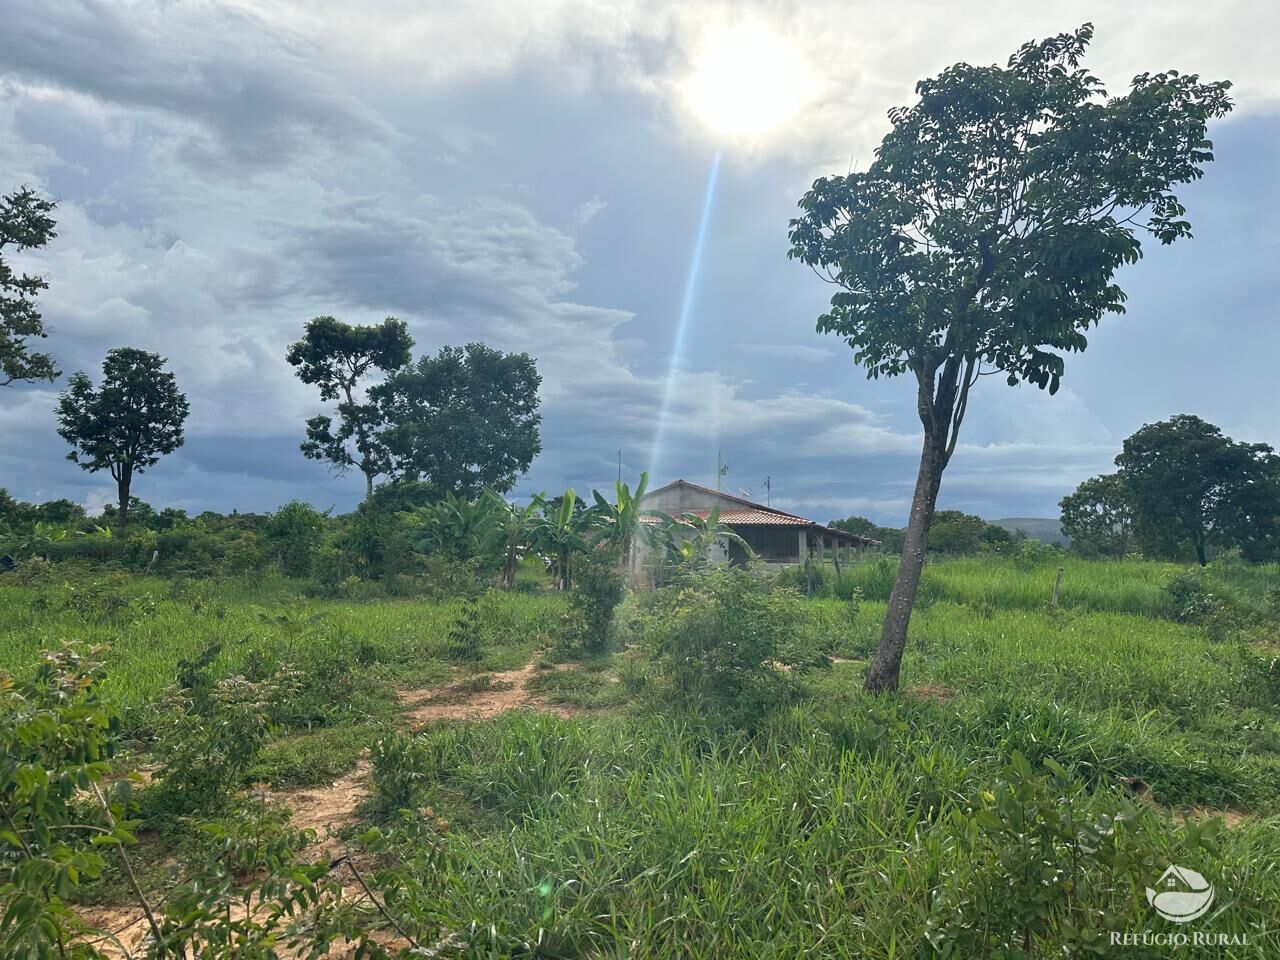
column 845, row 827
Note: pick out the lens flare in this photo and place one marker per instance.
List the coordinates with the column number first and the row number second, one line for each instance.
column 682, row 323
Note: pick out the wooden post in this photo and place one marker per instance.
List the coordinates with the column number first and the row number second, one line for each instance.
column 1057, row 585
column 835, row 554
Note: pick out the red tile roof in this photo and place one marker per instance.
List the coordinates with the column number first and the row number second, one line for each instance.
column 757, row 514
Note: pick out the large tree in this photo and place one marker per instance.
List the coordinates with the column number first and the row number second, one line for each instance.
column 1097, row 517
column 985, row 236
column 25, row 224
column 1192, row 488
column 463, row 420
column 338, row 357
column 126, row 424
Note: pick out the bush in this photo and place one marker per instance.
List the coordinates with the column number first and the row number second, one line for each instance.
column 599, row 586
column 294, row 534
column 1189, row 599
column 1050, row 864
column 724, row 642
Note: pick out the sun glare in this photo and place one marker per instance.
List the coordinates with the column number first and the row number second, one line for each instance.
column 746, row 81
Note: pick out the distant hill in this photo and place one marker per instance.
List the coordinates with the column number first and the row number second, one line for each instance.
column 1045, row 529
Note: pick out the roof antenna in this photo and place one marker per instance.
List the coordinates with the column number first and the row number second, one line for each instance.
column 768, row 491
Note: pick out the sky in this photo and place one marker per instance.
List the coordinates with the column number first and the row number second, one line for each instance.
column 542, row 176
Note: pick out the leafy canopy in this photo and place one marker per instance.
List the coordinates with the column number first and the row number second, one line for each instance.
column 25, row 224
column 463, row 420
column 989, row 226
column 128, row 423
column 1097, row 517
column 337, row 356
column 1190, row 485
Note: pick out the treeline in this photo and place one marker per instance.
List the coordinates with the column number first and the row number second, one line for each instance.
column 951, row 533
column 1182, row 490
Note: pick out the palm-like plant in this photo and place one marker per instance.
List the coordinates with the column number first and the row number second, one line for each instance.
column 688, row 537
column 517, row 527
column 559, row 533
column 459, row 529
column 619, row 524
column 42, row 537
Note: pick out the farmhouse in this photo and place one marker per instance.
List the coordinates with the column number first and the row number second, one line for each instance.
column 775, row 536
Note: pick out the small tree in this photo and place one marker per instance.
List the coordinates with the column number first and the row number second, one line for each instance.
column 985, row 236
column 462, row 420
column 337, row 356
column 126, row 425
column 25, row 224
column 1191, row 486
column 1097, row 517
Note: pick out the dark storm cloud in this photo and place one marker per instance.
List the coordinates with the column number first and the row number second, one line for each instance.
column 238, row 92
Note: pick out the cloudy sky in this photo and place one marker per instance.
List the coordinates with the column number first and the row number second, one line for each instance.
column 536, row 175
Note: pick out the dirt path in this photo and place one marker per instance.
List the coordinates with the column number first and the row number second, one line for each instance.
column 328, row 808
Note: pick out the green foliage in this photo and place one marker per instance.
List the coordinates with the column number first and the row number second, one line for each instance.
column 337, row 356
column 1051, row 864
column 57, row 737
column 294, row 535
column 207, row 737
column 463, row 420
column 618, row 524
column 466, row 633
column 984, row 238
column 724, row 644
column 128, row 423
column 460, row 530
column 25, row 224
column 955, row 533
column 599, row 587
column 1192, row 489
column 890, row 537
column 1189, row 599
column 1097, row 517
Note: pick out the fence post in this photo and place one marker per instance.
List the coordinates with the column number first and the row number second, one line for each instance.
column 1057, row 585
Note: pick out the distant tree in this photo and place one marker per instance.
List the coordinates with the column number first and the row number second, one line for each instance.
column 957, row 533
column 63, row 512
column 1193, row 488
column 295, row 534
column 890, row 537
column 463, row 420
column 985, row 236
column 337, row 357
column 141, row 513
column 127, row 424
column 15, row 515
column 1097, row 517
column 25, row 224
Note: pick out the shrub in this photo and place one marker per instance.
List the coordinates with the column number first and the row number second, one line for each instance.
column 56, row 740
column 1190, row 600
column 1050, row 865
column 206, row 740
column 724, row 642
column 294, row 534
column 599, row 586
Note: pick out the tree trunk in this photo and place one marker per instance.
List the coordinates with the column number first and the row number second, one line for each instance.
column 1200, row 552
column 122, row 492
column 368, row 486
column 509, row 569
column 883, row 674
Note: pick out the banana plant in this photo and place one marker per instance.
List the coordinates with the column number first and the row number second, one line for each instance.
column 516, row 527
column 619, row 524
column 42, row 538
column 688, row 538
column 559, row 533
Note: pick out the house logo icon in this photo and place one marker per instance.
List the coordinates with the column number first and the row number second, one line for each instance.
column 1182, row 895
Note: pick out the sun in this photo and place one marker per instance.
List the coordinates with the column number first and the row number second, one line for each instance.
column 746, row 81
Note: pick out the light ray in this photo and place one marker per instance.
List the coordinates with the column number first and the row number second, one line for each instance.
column 682, row 325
